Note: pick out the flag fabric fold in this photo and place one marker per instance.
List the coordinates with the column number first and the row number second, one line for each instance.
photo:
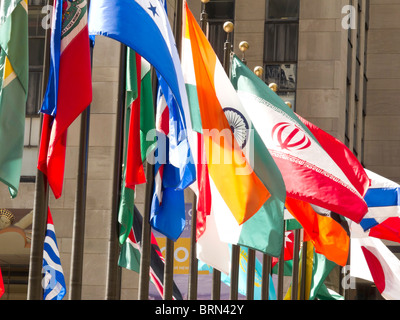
column 14, row 69
column 139, row 142
column 329, row 179
column 174, row 169
column 54, row 287
column 70, row 63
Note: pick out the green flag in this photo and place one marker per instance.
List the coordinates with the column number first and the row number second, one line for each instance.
column 147, row 123
column 14, row 68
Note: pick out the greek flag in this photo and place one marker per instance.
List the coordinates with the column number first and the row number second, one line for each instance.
column 383, row 200
column 53, row 279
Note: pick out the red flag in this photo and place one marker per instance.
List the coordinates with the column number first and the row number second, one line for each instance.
column 389, row 229
column 342, row 156
column 74, row 95
column 134, row 165
column 1, row 285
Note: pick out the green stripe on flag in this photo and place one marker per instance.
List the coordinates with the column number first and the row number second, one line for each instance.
column 13, row 91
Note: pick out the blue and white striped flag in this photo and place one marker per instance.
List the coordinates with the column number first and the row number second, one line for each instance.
column 53, row 279
column 383, row 200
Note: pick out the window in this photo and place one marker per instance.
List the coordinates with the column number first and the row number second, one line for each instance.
column 280, row 46
column 219, row 11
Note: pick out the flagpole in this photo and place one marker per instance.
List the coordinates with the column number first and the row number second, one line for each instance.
column 303, row 271
column 169, row 245
column 113, row 285
column 235, row 252
column 266, row 271
column 40, row 205
column 266, row 266
column 295, row 272
column 78, row 231
column 251, row 259
column 145, row 257
column 281, row 268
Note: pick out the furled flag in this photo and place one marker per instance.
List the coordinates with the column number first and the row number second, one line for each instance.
column 13, row 89
column 372, row 260
column 316, row 170
column 167, row 214
column 1, row 284
column 139, row 113
column 143, row 26
column 383, row 200
column 131, row 251
column 53, row 280
column 244, row 195
column 69, row 89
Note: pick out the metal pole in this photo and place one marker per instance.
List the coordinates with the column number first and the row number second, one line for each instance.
column 266, row 271
column 281, row 269
column 295, row 273
column 40, row 203
column 113, row 285
column 78, row 234
column 193, row 265
column 144, row 275
column 303, row 271
column 251, row 266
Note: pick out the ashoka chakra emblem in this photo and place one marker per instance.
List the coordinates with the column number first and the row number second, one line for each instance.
column 238, row 124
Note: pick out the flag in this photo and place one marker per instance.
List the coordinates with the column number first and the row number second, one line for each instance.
column 312, row 172
column 70, row 63
column 174, row 168
column 389, row 229
column 1, row 284
column 372, row 260
column 242, row 198
column 131, row 251
column 325, row 229
column 53, row 280
column 14, row 69
column 140, row 144
column 167, row 214
column 383, row 200
column 143, row 26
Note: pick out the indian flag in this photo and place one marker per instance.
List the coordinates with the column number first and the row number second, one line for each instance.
column 13, row 89
column 246, row 188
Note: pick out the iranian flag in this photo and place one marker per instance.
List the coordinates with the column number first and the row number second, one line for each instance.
column 317, row 168
column 240, row 181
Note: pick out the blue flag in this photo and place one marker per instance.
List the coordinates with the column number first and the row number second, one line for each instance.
column 143, row 26
column 49, row 105
column 167, row 214
column 383, row 200
column 53, row 279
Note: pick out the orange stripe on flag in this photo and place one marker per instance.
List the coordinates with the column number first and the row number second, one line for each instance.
column 239, row 186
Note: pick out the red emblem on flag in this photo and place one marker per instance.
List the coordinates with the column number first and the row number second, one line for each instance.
column 290, row 137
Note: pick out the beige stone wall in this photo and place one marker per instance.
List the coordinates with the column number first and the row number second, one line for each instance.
column 382, row 123
column 322, row 65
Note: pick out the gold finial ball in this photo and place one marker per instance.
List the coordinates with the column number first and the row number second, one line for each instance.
column 228, row 26
column 205, row 1
column 6, row 218
column 243, row 46
column 289, row 104
column 273, row 87
column 259, row 71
